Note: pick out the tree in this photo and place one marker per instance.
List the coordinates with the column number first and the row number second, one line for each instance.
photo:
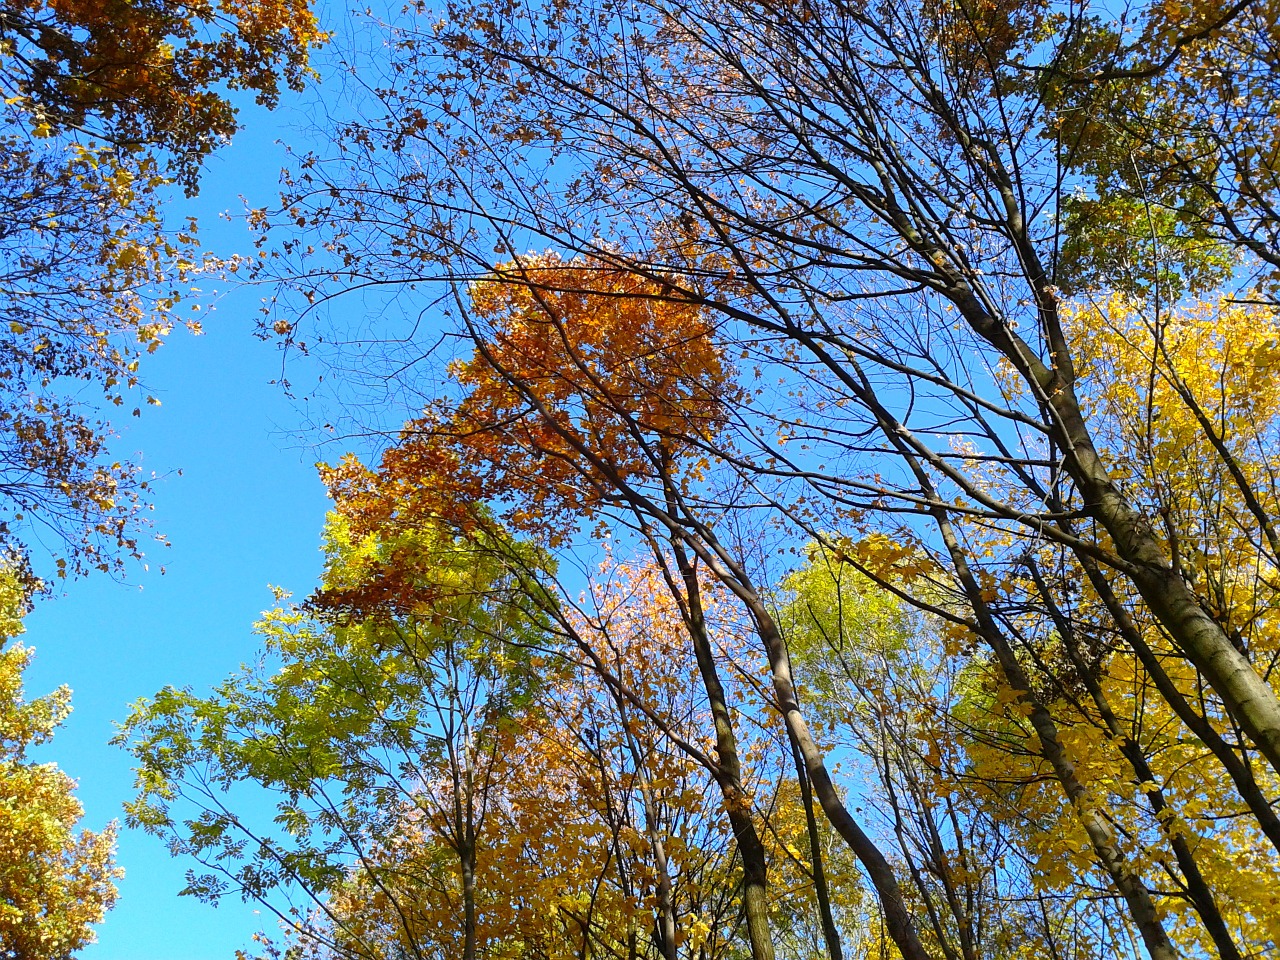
column 561, row 375
column 971, row 797
column 148, row 77
column 104, row 107
column 54, row 883
column 880, row 682
column 884, row 211
column 463, row 764
column 384, row 723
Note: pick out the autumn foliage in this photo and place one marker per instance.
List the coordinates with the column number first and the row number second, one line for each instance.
column 55, row 881
column 867, row 499
column 584, row 379
column 107, row 107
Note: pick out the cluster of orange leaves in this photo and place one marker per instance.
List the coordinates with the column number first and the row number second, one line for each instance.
column 585, row 380
column 153, row 72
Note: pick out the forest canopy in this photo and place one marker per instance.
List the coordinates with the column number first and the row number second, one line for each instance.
column 834, row 513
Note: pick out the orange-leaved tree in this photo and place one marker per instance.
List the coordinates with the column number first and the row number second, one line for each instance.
column 595, row 394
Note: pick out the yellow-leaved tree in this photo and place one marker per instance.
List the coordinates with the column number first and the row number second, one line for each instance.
column 55, row 882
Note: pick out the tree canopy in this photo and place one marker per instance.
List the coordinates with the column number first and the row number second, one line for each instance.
column 106, row 108
column 837, row 510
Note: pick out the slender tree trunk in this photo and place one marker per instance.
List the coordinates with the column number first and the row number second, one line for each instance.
column 829, row 933
column 1248, row 697
column 1101, row 837
column 1197, row 887
column 467, row 856
column 897, row 917
column 664, row 921
column 755, row 876
column 1241, row 776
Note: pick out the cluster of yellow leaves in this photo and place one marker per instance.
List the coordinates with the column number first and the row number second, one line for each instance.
column 944, row 731
column 889, row 559
column 54, row 883
column 1190, row 400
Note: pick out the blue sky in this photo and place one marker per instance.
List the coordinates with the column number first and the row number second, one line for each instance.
column 245, row 512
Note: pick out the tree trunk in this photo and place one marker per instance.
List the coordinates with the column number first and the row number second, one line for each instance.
column 829, row 932
column 1241, row 775
column 897, row 917
column 468, row 858
column 729, row 778
column 1101, row 837
column 1197, row 887
column 1245, row 694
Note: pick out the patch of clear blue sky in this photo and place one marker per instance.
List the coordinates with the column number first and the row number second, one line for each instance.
column 245, row 512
